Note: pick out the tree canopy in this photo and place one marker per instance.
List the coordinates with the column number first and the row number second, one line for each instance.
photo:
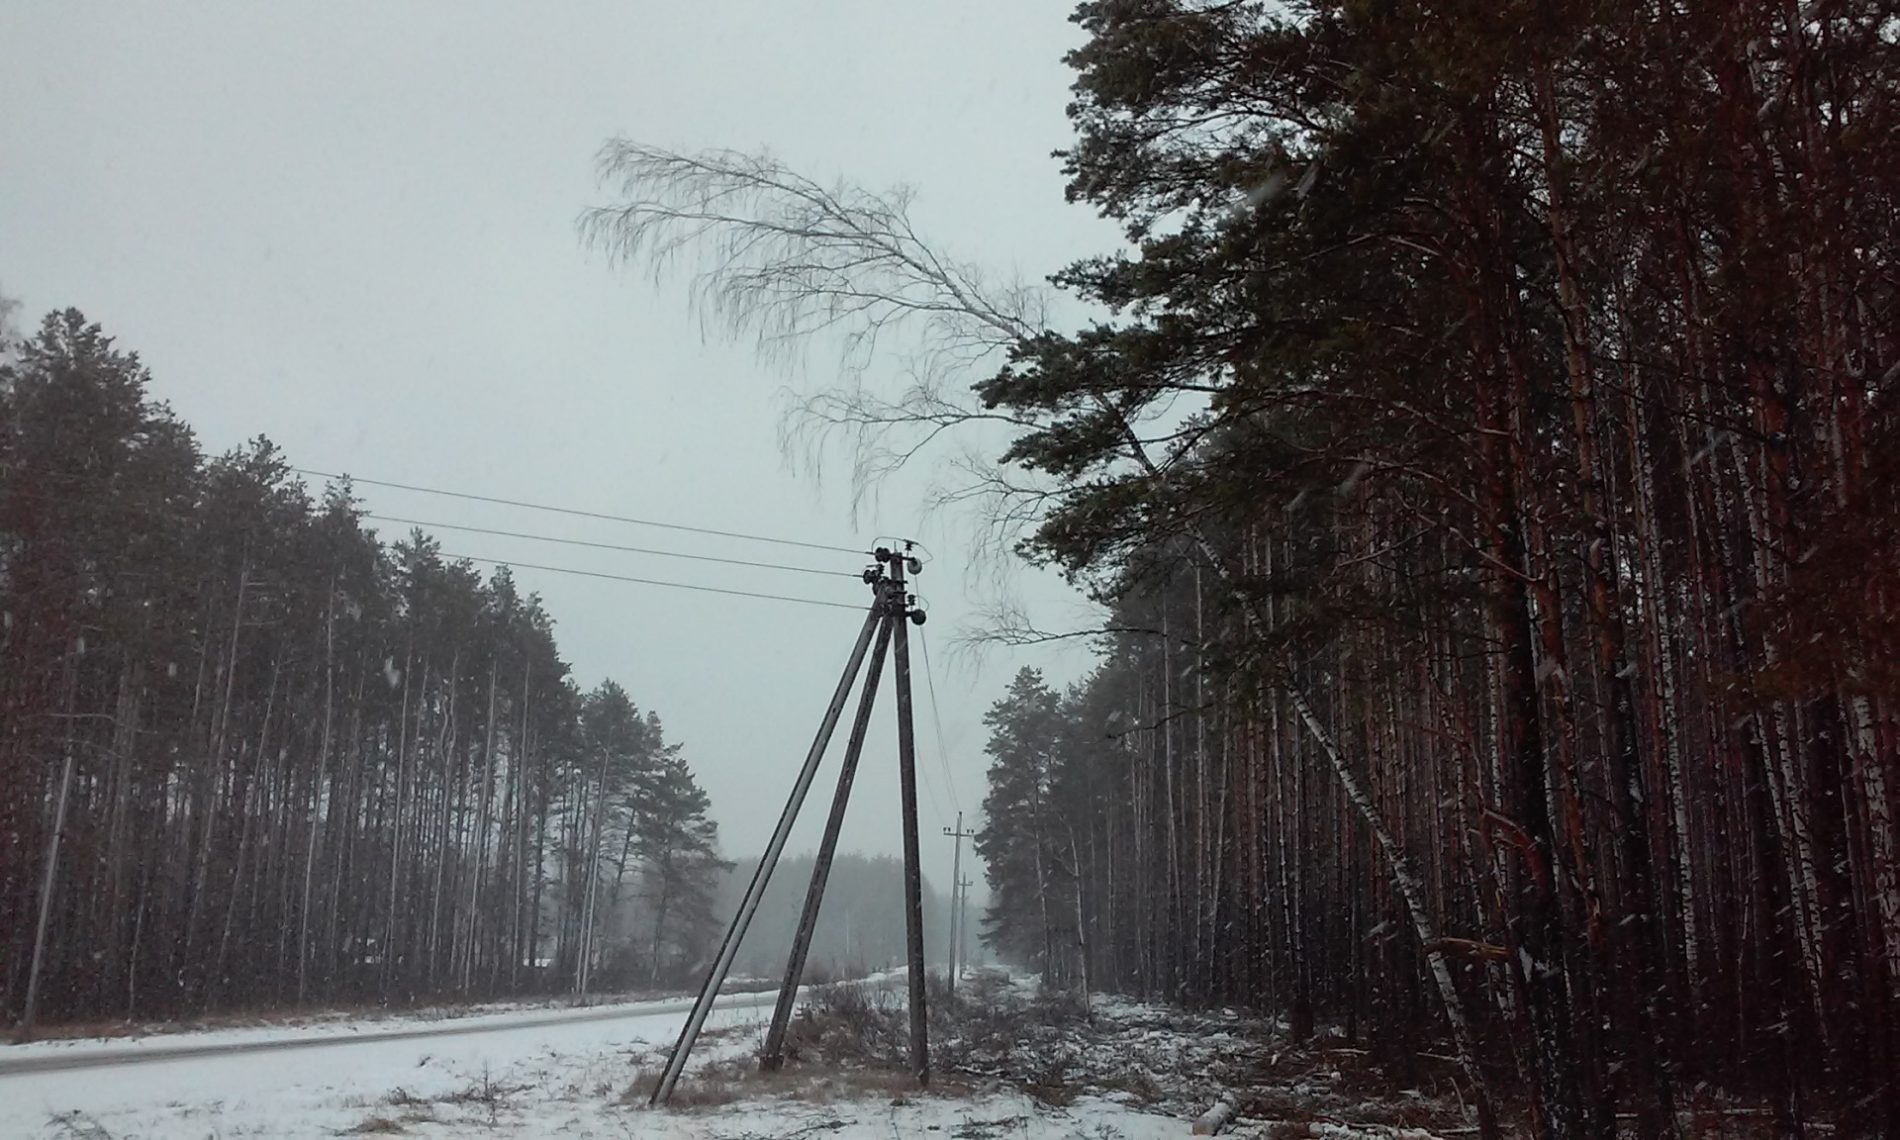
column 273, row 759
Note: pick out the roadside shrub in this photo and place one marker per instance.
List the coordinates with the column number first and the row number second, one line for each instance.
column 848, row 1022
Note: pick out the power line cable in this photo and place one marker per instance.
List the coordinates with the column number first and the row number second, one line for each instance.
column 578, row 513
column 931, row 795
column 936, row 717
column 923, row 772
column 185, row 515
column 651, row 581
column 853, row 574
column 574, row 512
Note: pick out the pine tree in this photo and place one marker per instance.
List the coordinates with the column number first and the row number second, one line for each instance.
column 255, row 756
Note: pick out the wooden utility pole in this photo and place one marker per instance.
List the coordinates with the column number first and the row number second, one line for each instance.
column 913, row 870
column 729, row 947
column 891, row 612
column 774, row 1055
column 956, row 899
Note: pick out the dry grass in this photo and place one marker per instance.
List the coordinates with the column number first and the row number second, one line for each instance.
column 77, row 1126
column 1139, row 1085
column 737, row 1079
column 1053, row 1094
column 1059, row 1007
column 846, row 1043
column 1298, row 1086
column 996, row 1129
column 484, row 1091
column 846, row 1023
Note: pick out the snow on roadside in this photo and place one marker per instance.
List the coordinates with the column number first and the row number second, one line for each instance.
column 1011, row 1066
column 565, row 1081
column 1177, row 1063
column 990, row 1116
column 33, row 1055
column 387, row 1026
column 570, row 1072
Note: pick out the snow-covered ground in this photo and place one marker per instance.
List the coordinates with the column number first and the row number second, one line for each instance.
column 526, row 1072
column 332, row 1078
column 325, row 1030
column 1010, row 1066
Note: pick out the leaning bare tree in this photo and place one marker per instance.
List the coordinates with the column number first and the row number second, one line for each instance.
column 783, row 260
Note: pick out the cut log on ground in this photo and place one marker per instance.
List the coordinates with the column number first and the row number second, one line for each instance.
column 1210, row 1123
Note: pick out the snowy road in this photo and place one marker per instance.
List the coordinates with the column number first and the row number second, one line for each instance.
column 324, row 1080
column 57, row 1056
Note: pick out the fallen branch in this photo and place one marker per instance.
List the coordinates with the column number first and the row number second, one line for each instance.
column 1214, row 1119
column 1482, row 950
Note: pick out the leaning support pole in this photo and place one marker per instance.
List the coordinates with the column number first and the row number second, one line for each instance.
column 913, row 869
column 729, row 948
column 774, row 1055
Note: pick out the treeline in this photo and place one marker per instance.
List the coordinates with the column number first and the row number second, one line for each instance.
column 860, row 924
column 1490, row 469
column 253, row 756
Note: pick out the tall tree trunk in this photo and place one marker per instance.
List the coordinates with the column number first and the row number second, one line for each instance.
column 316, row 798
column 55, row 832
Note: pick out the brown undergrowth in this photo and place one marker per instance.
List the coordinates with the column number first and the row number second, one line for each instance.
column 848, row 1042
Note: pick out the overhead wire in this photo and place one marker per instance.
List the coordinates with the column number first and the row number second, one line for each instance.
column 578, row 513
column 930, row 794
column 185, row 515
column 652, row 581
column 923, row 773
column 936, row 717
column 613, row 546
column 935, row 811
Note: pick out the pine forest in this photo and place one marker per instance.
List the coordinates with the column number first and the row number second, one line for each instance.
column 1477, row 442
column 258, row 758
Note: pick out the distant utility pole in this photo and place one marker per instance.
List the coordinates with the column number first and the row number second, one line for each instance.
column 963, row 917
column 956, row 897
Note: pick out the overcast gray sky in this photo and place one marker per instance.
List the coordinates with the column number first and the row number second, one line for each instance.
column 350, row 227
